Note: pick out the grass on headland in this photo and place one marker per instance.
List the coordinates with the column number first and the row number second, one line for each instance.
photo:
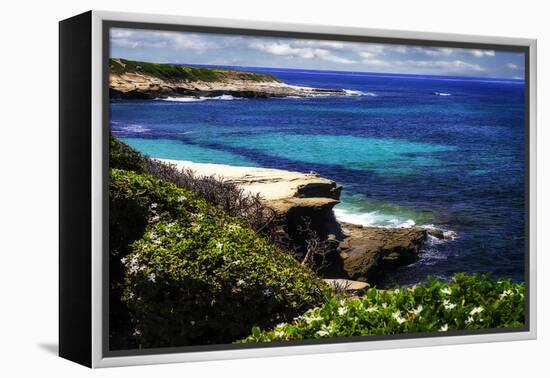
column 466, row 302
column 171, row 72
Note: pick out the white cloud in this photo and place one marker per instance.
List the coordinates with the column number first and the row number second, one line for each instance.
column 367, row 55
column 478, row 53
column 377, row 62
column 439, row 51
column 133, row 39
column 287, row 49
column 512, row 66
column 445, row 65
column 447, row 51
column 315, row 43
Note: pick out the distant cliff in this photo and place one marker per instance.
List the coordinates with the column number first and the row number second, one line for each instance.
column 143, row 80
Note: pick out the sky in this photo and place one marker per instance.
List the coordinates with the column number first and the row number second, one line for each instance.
column 276, row 52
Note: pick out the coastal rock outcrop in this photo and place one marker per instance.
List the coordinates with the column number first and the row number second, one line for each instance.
column 356, row 253
column 142, row 80
column 369, row 252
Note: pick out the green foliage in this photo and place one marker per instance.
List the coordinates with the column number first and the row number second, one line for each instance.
column 134, row 202
column 467, row 302
column 196, row 275
column 122, row 156
column 170, row 72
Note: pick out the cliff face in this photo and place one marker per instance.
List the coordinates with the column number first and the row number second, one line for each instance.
column 358, row 253
column 142, row 80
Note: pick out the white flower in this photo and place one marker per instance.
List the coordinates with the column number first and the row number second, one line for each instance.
column 506, row 293
column 384, row 305
column 133, row 266
column 324, row 331
column 309, row 318
column 169, row 226
column 448, row 305
column 279, row 333
column 123, row 260
column 154, row 205
column 417, row 310
column 469, row 320
column 267, row 293
column 240, row 282
column 396, row 291
column 342, row 311
column 476, row 310
column 152, row 277
column 372, row 309
column 181, row 198
column 219, row 245
column 444, row 328
column 446, row 291
column 397, row 316
column 192, row 322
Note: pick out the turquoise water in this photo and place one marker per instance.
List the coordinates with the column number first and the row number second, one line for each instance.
column 176, row 150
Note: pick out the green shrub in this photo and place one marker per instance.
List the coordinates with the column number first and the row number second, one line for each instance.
column 135, row 201
column 196, row 275
column 467, row 302
column 122, row 156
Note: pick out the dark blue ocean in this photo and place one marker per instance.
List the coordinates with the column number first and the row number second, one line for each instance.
column 409, row 150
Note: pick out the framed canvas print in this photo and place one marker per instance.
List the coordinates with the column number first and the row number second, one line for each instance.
column 235, row 189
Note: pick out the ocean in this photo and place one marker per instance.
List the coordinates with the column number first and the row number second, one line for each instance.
column 444, row 152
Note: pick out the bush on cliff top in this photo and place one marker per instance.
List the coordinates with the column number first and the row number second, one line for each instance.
column 122, row 156
column 467, row 302
column 196, row 275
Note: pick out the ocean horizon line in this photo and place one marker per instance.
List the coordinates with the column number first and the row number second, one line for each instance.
column 363, row 73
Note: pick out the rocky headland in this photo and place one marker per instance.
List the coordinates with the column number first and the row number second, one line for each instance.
column 361, row 254
column 143, row 80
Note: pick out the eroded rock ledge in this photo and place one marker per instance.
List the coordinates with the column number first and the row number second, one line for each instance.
column 360, row 253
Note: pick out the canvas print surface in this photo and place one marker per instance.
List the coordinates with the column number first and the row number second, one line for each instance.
column 268, row 189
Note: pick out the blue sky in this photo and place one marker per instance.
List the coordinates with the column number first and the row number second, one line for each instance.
column 238, row 50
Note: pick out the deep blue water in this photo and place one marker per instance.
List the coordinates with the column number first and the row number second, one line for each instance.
column 404, row 154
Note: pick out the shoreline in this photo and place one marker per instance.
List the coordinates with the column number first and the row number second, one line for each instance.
column 361, row 253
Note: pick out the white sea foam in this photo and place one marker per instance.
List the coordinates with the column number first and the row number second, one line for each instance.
column 199, row 99
column 373, row 218
column 182, row 99
column 350, row 92
column 119, row 127
column 447, row 234
column 442, row 94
